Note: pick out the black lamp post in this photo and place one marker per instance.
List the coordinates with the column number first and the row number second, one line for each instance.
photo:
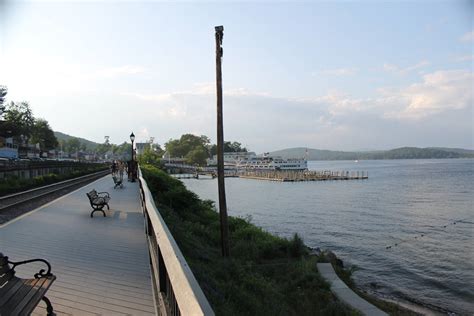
column 132, row 161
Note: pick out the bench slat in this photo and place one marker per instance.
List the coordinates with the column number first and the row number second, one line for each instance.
column 6, row 276
column 9, row 290
column 30, row 288
column 18, row 295
column 34, row 297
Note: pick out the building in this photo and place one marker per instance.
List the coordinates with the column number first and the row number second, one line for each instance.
column 7, row 149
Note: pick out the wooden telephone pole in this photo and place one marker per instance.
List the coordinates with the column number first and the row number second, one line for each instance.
column 220, row 146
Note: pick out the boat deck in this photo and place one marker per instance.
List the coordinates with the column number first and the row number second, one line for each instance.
column 101, row 263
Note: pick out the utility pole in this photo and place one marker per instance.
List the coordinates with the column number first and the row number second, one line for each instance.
column 220, row 146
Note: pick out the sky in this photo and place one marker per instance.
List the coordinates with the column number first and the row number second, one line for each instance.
column 352, row 75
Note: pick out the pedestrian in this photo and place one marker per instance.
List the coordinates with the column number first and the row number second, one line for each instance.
column 121, row 169
column 114, row 168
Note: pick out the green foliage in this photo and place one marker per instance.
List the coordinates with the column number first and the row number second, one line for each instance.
column 89, row 145
column 73, row 145
column 229, row 147
column 43, row 135
column 197, row 156
column 3, row 93
column 265, row 275
column 150, row 156
column 196, row 149
column 19, row 120
column 192, row 147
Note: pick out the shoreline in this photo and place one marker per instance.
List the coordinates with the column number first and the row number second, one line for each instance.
column 410, row 306
column 421, row 309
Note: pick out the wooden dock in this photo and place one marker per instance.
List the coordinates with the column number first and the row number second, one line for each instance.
column 299, row 176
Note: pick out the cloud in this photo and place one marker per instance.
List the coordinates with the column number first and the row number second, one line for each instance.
column 335, row 120
column 468, row 37
column 464, row 58
column 337, row 72
column 439, row 92
column 28, row 76
column 119, row 71
column 403, row 70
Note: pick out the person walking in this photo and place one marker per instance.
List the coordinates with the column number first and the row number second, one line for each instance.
column 121, row 169
column 114, row 168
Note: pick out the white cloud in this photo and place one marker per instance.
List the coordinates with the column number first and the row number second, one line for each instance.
column 439, row 92
column 119, row 71
column 28, row 76
column 464, row 58
column 335, row 120
column 403, row 70
column 468, row 37
column 337, row 72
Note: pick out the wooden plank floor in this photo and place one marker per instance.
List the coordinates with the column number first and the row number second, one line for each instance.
column 101, row 263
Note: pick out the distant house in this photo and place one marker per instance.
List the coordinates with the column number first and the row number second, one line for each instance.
column 7, row 148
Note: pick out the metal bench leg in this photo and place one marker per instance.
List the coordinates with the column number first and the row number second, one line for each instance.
column 49, row 307
column 99, row 210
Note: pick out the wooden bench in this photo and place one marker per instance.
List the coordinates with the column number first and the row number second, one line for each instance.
column 20, row 296
column 98, row 201
column 117, row 182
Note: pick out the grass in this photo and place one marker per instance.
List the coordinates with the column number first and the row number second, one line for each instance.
column 265, row 274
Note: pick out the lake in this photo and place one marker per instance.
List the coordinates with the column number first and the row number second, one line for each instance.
column 408, row 229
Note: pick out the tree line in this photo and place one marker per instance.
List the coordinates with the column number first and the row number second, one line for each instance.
column 18, row 122
column 194, row 149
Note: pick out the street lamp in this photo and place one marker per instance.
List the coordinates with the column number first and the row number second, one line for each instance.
column 132, row 162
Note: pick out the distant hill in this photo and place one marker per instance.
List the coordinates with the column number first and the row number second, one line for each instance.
column 90, row 144
column 397, row 153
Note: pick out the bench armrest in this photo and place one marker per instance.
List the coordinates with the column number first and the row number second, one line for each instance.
column 41, row 272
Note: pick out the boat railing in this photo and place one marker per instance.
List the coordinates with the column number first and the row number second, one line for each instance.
column 175, row 288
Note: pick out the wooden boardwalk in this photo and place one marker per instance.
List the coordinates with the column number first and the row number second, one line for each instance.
column 101, row 263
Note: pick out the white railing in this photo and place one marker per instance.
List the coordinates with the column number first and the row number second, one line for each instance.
column 175, row 288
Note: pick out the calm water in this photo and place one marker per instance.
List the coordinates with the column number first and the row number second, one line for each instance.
column 358, row 219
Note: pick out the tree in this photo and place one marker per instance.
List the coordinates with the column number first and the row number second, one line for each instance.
column 73, row 145
column 43, row 134
column 83, row 147
column 150, row 156
column 229, row 147
column 187, row 143
column 197, row 156
column 3, row 93
column 123, row 150
column 103, row 148
column 19, row 120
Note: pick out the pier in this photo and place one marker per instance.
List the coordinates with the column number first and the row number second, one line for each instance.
column 193, row 172
column 299, row 176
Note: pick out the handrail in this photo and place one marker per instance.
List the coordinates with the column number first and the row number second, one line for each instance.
column 172, row 277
